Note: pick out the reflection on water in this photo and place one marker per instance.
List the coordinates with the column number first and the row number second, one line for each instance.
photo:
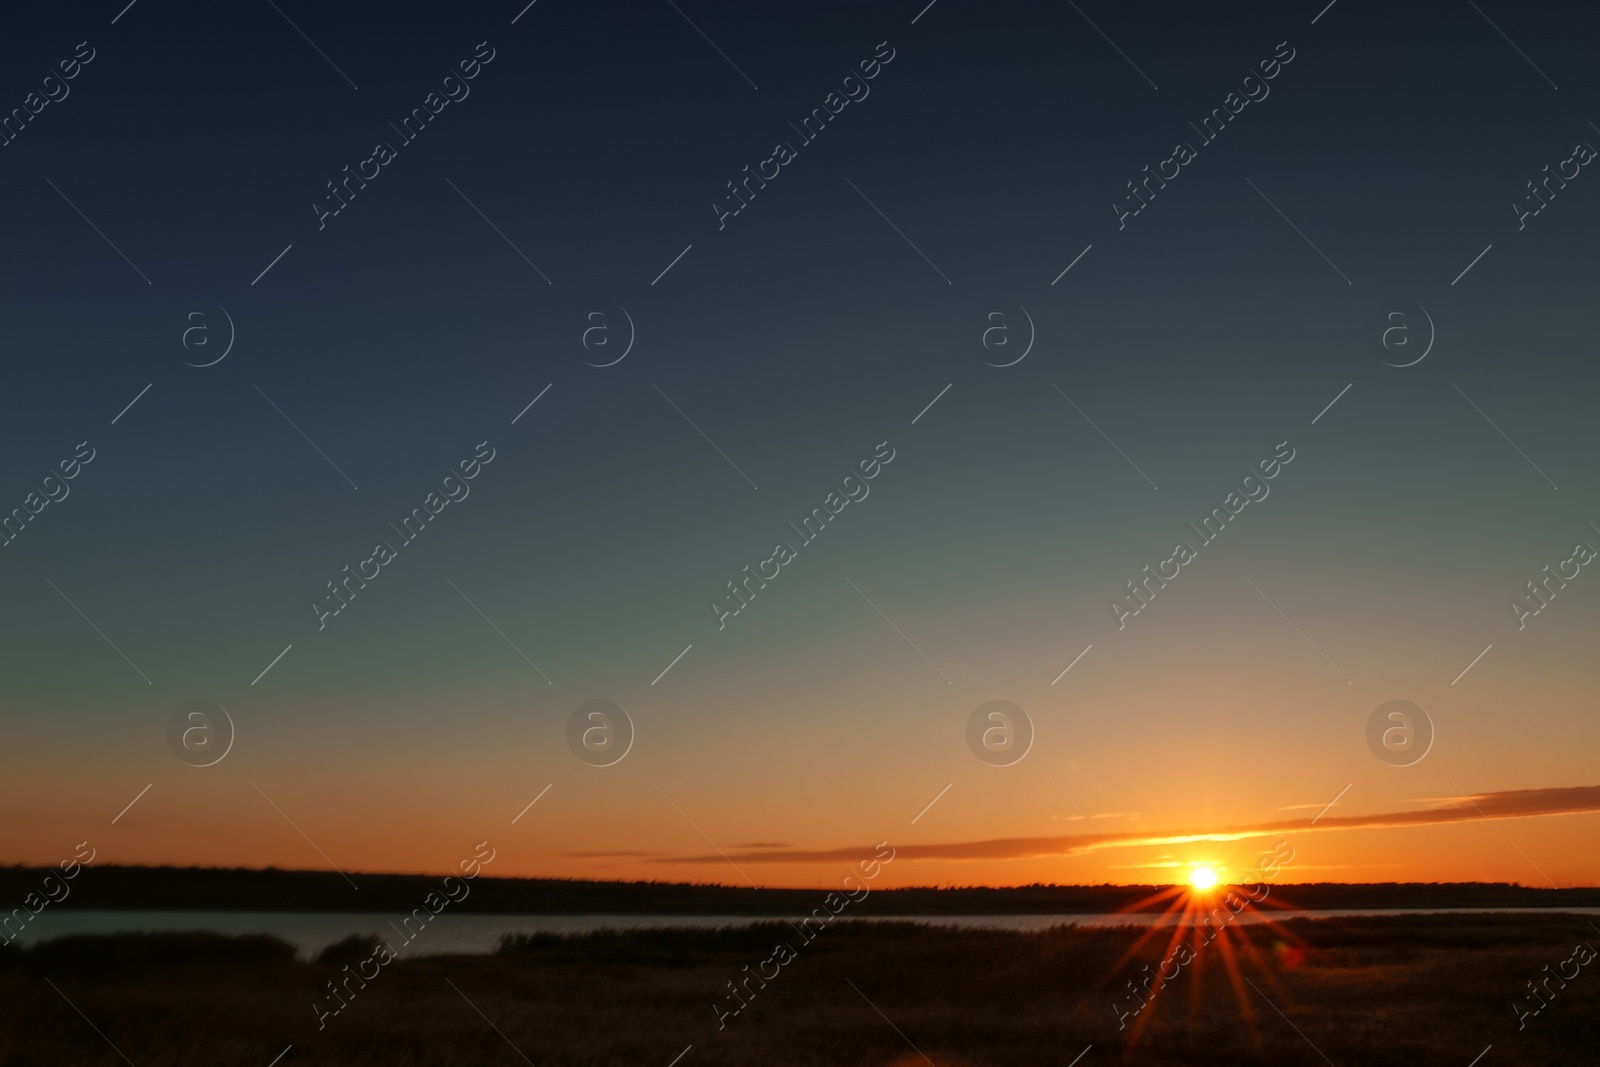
column 473, row 935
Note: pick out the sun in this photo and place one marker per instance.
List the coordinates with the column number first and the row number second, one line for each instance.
column 1202, row 877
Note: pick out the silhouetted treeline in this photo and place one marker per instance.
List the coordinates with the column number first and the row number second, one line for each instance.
column 113, row 888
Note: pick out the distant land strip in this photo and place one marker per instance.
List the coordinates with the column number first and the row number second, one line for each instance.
column 213, row 889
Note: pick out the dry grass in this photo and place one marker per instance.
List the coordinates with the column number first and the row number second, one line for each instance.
column 1369, row 991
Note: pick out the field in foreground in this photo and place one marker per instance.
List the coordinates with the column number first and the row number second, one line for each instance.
column 1371, row 991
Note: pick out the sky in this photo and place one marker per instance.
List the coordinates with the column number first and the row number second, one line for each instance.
column 946, row 304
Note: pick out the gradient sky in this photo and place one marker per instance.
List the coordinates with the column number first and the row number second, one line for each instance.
column 797, row 338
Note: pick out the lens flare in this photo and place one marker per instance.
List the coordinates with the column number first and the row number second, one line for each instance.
column 1202, row 877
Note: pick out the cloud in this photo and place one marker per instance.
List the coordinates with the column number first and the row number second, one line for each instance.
column 1096, row 815
column 1510, row 804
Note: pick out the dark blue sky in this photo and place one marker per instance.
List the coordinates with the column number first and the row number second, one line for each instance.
column 458, row 284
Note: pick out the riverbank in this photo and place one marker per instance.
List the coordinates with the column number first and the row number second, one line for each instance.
column 1372, row 990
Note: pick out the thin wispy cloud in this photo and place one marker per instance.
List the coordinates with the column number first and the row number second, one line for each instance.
column 1096, row 815
column 1509, row 804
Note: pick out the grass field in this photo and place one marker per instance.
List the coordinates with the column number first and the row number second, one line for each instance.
column 1368, row 991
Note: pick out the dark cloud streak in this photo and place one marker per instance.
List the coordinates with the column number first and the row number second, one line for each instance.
column 1511, row 804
